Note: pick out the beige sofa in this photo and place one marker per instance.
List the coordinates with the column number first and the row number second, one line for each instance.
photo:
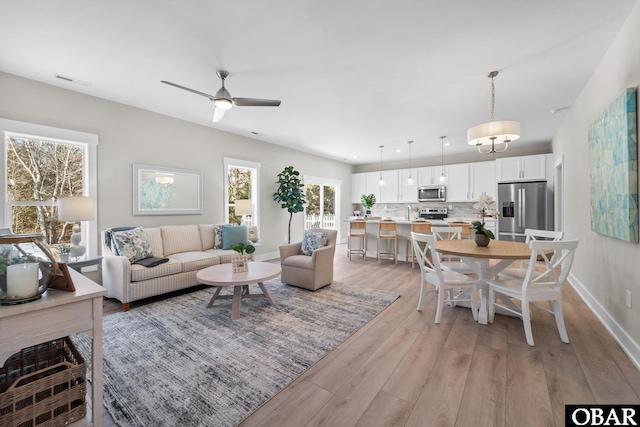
column 189, row 249
column 308, row 271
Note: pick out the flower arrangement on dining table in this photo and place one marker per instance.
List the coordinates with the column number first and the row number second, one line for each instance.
column 489, row 207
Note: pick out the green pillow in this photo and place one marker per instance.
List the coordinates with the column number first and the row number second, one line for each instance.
column 234, row 234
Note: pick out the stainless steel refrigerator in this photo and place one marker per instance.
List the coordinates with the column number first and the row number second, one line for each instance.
column 524, row 205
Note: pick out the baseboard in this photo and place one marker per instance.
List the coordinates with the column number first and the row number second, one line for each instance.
column 267, row 257
column 629, row 346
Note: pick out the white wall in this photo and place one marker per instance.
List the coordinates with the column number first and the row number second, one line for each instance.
column 605, row 268
column 130, row 135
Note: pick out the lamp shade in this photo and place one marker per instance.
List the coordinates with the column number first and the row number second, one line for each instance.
column 243, row 207
column 502, row 131
column 73, row 209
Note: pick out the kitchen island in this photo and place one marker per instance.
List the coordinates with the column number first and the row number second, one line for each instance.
column 404, row 231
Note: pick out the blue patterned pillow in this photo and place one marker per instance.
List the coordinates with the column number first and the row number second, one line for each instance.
column 217, row 231
column 313, row 240
column 132, row 244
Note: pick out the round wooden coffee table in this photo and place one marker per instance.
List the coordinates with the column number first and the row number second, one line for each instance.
column 222, row 275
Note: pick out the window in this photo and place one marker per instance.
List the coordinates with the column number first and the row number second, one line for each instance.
column 241, row 183
column 40, row 166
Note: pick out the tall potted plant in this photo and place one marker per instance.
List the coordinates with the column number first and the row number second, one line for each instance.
column 290, row 193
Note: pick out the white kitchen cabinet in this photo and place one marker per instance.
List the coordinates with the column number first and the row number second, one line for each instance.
column 390, row 190
column 358, row 187
column 373, row 186
column 483, row 179
column 525, row 168
column 428, row 175
column 458, row 182
column 408, row 192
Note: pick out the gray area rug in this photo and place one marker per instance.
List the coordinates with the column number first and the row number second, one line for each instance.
column 177, row 363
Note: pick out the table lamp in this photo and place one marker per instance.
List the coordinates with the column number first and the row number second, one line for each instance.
column 76, row 209
column 243, row 208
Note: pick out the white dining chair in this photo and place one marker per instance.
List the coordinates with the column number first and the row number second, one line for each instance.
column 530, row 234
column 446, row 282
column 537, row 286
column 451, row 262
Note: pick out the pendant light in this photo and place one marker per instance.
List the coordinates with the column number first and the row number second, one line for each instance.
column 492, row 133
column 381, row 182
column 410, row 179
column 443, row 179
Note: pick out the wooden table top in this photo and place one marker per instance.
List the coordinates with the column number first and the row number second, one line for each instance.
column 497, row 249
column 223, row 275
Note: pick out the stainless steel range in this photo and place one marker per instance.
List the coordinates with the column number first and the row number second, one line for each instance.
column 433, row 213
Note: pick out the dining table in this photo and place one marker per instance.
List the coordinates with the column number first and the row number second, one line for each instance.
column 478, row 257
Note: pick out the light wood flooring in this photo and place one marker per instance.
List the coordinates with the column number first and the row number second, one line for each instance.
column 401, row 369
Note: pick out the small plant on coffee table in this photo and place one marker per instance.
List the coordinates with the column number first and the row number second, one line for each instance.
column 241, row 248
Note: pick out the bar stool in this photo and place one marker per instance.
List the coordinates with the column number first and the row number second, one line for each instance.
column 357, row 229
column 421, row 227
column 388, row 231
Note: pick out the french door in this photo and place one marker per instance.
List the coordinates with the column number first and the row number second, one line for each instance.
column 321, row 210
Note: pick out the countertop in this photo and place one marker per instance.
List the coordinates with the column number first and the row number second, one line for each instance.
column 443, row 222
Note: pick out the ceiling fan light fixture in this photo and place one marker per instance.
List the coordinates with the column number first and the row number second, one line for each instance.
column 492, row 133
column 223, row 103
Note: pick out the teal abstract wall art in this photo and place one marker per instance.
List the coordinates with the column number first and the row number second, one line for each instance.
column 613, row 142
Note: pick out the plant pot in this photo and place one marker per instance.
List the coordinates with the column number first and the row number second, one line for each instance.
column 482, row 239
column 64, row 258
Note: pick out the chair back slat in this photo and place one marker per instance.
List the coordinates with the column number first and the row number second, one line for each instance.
column 422, row 243
column 555, row 267
column 446, row 233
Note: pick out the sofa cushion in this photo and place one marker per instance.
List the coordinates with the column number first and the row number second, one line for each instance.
column 234, row 234
column 192, row 261
column 155, row 241
column 207, row 236
column 225, row 255
column 217, row 231
column 313, row 240
column 180, row 238
column 139, row 272
column 299, row 261
column 132, row 244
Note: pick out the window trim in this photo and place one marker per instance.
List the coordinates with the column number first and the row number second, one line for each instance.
column 255, row 187
column 8, row 127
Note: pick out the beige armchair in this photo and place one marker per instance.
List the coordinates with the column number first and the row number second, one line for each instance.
column 309, row 272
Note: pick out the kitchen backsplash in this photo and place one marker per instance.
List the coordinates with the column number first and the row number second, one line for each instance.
column 461, row 210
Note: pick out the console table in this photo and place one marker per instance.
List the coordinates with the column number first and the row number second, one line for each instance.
column 56, row 315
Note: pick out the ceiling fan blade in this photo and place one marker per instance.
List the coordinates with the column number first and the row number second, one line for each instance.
column 218, row 113
column 253, row 102
column 211, row 97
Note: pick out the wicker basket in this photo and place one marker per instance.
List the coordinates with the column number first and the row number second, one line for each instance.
column 43, row 386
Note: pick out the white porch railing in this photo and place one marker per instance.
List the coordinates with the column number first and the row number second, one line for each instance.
column 314, row 221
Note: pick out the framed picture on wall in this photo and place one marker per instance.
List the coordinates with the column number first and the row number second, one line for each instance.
column 252, row 233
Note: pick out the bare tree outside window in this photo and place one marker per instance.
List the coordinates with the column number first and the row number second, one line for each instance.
column 38, row 173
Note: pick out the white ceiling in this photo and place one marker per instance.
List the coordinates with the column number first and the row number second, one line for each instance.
column 352, row 75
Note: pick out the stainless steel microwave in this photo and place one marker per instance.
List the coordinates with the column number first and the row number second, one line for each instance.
column 432, row 193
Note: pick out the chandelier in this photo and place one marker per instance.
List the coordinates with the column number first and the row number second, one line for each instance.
column 493, row 133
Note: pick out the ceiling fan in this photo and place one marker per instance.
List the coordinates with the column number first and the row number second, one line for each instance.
column 223, row 101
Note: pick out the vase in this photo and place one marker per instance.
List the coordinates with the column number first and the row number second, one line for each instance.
column 482, row 239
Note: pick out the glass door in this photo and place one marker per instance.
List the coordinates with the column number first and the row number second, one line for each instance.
column 320, row 210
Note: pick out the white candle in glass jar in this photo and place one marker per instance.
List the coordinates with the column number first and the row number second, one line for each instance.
column 22, row 280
